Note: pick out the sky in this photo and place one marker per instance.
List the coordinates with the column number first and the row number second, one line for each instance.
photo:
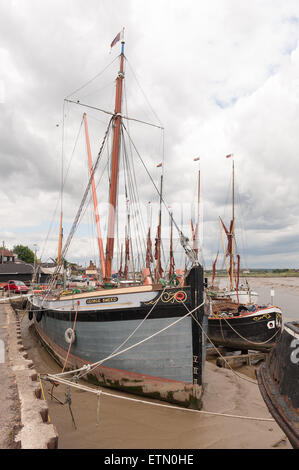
column 221, row 77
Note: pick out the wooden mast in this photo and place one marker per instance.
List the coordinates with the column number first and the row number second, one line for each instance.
column 149, row 256
column 94, row 196
column 120, row 271
column 61, row 215
column 196, row 235
column 60, row 241
column 114, row 166
column 171, row 257
column 158, row 270
column 232, row 227
column 127, row 244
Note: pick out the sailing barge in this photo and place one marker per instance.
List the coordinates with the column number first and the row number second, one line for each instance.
column 145, row 339
column 241, row 327
column 278, row 380
column 167, row 366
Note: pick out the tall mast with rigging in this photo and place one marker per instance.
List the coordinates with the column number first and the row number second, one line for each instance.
column 196, row 234
column 230, row 233
column 158, row 269
column 60, row 241
column 60, row 238
column 115, row 164
column 127, row 243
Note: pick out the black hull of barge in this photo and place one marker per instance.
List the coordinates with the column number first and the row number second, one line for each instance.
column 278, row 380
column 137, row 374
column 244, row 333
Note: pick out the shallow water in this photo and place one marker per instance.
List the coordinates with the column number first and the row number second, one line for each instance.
column 134, row 425
column 286, row 294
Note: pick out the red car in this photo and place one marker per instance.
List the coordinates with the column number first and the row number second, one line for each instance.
column 18, row 287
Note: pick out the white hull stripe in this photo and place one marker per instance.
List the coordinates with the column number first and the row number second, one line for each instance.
column 291, row 332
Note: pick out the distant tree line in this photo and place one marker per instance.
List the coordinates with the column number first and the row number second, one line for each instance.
column 281, row 270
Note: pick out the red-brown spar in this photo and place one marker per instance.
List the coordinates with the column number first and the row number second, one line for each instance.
column 114, row 167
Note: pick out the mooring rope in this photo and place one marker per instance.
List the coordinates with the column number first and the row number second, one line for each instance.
column 87, row 368
column 226, row 362
column 245, row 339
column 141, row 323
column 69, row 383
column 93, row 366
column 42, row 390
column 60, row 379
column 72, row 338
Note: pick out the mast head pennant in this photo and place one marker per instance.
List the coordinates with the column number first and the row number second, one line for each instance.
column 115, row 40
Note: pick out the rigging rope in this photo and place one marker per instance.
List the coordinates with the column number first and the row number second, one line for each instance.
column 184, row 240
column 87, row 369
column 63, row 180
column 75, row 223
column 92, row 79
column 250, row 342
column 206, row 335
column 141, row 323
column 113, row 114
column 147, row 100
column 134, row 201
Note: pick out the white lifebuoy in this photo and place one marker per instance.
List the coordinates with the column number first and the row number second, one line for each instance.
column 69, row 336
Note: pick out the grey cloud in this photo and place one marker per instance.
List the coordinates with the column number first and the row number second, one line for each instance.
column 185, row 60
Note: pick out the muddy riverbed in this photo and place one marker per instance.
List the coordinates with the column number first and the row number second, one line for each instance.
column 114, row 423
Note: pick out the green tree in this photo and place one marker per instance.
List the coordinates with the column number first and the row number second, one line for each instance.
column 24, row 253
